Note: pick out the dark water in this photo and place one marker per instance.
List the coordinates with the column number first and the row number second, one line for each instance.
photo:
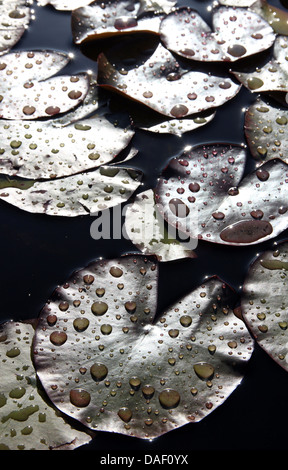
column 39, row 252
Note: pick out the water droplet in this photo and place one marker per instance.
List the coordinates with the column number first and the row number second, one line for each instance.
column 13, row 352
column 179, row 110
column 178, row 208
column 29, row 110
column 246, row 231
column 81, row 324
column 135, row 383
column 88, row 279
column 80, row 398
column 218, row 215
column 262, row 175
column 98, row 371
column 204, row 370
column 106, row 329
column 148, row 391
column 258, row 214
column 130, row 306
column 52, row 110
column 125, row 414
column 100, row 292
column 17, row 392
column 169, row 398
column 254, row 83
column 125, row 22
column 147, row 94
column 58, row 338
column 236, row 50
column 99, row 308
column 194, row 187
column 186, row 320
column 173, row 333
column 116, row 272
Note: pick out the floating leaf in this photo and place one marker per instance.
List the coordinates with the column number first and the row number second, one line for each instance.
column 237, row 33
column 102, row 19
column 204, row 196
column 43, row 149
column 64, row 4
column 146, row 230
column 28, row 422
column 104, row 359
column 163, row 85
column 81, row 194
column 264, row 302
column 276, row 17
column 15, row 17
column 265, row 129
column 273, row 75
column 27, row 92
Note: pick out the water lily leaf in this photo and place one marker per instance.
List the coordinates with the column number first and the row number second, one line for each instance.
column 237, row 33
column 107, row 18
column 81, row 194
column 45, row 149
column 27, row 421
column 163, row 85
column 27, row 92
column 15, row 17
column 273, row 75
column 146, row 230
column 208, row 199
column 265, row 129
column 264, row 303
column 276, row 17
column 104, row 358
column 64, row 4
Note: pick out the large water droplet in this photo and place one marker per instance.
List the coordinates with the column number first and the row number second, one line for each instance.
column 204, row 370
column 99, row 308
column 247, row 231
column 58, row 338
column 169, row 398
column 80, row 398
column 98, row 371
column 178, row 208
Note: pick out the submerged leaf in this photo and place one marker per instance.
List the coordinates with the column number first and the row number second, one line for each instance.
column 102, row 19
column 15, row 17
column 204, row 196
column 45, row 149
column 81, row 194
column 237, row 33
column 27, row 92
column 264, row 302
column 273, row 75
column 163, row 85
column 266, row 133
column 27, row 421
column 146, row 230
column 104, row 359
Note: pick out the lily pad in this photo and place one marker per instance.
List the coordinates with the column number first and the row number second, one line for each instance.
column 27, row 92
column 238, row 33
column 264, row 302
column 265, row 129
column 165, row 86
column 104, row 358
column 45, row 149
column 145, row 228
column 272, row 75
column 81, row 194
column 203, row 195
column 28, row 422
column 15, row 17
column 110, row 18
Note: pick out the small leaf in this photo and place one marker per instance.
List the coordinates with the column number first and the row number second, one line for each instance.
column 27, row 421
column 146, row 230
column 264, row 302
column 15, row 17
column 119, row 369
column 81, row 194
column 45, row 149
column 204, row 196
column 271, row 76
column 154, row 84
column 238, row 33
column 265, row 129
column 26, row 92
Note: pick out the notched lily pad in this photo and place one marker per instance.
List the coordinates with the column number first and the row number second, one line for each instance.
column 27, row 92
column 145, row 228
column 204, row 195
column 165, row 86
column 15, row 17
column 47, row 149
column 27, row 421
column 81, row 194
column 104, row 358
column 110, row 18
column 238, row 33
column 272, row 75
column 266, row 133
column 264, row 302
